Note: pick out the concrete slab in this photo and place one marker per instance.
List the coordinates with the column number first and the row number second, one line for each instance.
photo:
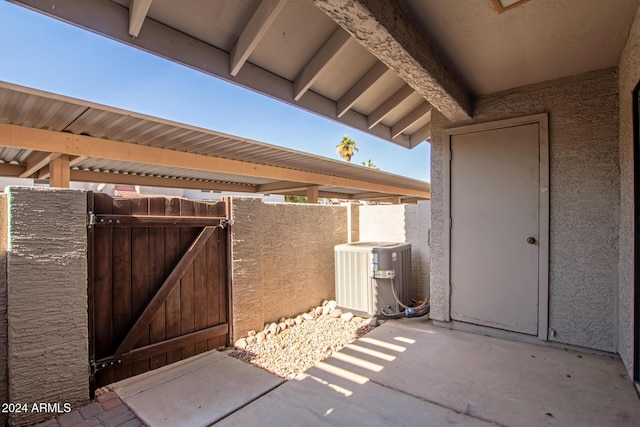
column 319, row 399
column 505, row 382
column 196, row 392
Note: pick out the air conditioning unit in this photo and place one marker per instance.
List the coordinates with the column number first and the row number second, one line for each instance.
column 364, row 271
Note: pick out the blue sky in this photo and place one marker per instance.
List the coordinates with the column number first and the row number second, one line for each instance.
column 44, row 53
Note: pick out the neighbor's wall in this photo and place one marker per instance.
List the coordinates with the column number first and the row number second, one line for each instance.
column 299, row 260
column 47, row 298
column 629, row 70
column 4, row 226
column 584, row 205
column 282, row 258
column 407, row 224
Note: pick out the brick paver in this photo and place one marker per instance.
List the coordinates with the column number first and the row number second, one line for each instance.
column 106, row 411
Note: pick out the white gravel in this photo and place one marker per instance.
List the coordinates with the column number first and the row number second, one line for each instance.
column 300, row 347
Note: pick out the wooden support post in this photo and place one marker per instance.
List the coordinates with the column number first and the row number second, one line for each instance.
column 397, row 200
column 312, row 194
column 59, row 172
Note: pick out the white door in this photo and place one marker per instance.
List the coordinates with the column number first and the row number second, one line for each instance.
column 494, row 228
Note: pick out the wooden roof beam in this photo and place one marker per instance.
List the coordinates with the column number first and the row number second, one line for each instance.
column 360, row 88
column 385, row 29
column 257, row 27
column 320, row 62
column 404, row 123
column 10, row 170
column 137, row 13
column 371, row 196
column 388, row 106
column 321, row 194
column 420, row 135
column 280, row 186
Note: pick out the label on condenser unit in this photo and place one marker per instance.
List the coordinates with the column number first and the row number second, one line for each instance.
column 384, row 274
column 374, row 264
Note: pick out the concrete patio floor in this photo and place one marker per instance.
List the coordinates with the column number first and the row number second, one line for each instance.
column 405, row 372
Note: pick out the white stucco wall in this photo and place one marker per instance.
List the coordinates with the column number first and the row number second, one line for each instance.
column 629, row 71
column 402, row 223
column 584, row 206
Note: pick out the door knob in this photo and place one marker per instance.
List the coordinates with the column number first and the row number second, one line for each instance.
column 531, row 240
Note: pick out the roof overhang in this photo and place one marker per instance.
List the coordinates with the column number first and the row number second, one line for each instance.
column 354, row 62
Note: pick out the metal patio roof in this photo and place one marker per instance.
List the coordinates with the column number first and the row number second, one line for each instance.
column 106, row 144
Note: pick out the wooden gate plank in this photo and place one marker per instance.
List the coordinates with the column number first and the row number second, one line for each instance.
column 171, row 257
column 140, row 277
column 162, row 347
column 222, row 282
column 213, row 291
column 102, row 288
column 157, row 272
column 165, row 290
column 187, row 290
column 121, row 255
column 200, row 287
column 105, row 220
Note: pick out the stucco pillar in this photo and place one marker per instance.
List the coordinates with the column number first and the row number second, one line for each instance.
column 48, row 359
column 247, row 263
column 4, row 226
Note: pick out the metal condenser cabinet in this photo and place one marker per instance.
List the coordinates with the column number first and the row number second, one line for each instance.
column 364, row 271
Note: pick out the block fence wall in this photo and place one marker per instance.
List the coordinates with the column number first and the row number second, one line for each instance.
column 46, row 305
column 282, row 258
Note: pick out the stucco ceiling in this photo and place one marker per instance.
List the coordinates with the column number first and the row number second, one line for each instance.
column 538, row 41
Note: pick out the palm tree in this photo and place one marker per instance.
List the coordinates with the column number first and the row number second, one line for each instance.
column 347, row 148
column 369, row 164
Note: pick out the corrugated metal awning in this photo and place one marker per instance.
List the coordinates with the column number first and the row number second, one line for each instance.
column 105, row 144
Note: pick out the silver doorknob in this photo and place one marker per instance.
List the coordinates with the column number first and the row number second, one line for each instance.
column 531, row 240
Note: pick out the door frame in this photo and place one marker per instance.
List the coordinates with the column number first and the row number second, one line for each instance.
column 636, row 234
column 542, row 121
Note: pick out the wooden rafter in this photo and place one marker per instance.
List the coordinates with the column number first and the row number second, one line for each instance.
column 320, row 62
column 137, row 13
column 416, row 114
column 388, row 105
column 420, row 135
column 360, row 88
column 262, row 18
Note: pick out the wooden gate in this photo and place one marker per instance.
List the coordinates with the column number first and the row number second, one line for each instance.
column 158, row 283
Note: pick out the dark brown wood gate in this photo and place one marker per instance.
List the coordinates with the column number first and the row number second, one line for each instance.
column 158, row 283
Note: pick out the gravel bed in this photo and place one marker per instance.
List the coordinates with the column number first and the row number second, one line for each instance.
column 300, row 347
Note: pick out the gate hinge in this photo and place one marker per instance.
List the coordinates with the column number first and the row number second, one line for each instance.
column 98, row 366
column 224, row 223
column 91, row 219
